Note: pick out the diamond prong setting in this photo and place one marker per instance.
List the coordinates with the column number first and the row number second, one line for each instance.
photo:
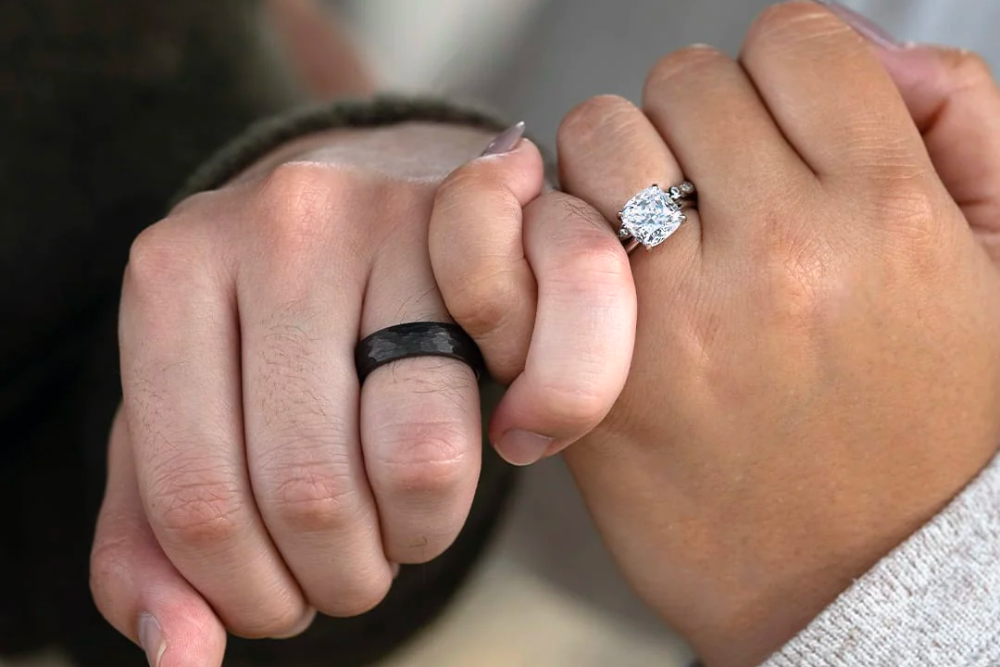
column 652, row 216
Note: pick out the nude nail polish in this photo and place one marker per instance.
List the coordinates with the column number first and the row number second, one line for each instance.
column 523, row 448
column 506, row 141
column 151, row 639
column 864, row 25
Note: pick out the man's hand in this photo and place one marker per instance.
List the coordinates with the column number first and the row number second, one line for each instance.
column 252, row 481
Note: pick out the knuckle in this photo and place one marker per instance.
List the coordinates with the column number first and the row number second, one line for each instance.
column 481, row 288
column 486, row 300
column 593, row 255
column 297, row 199
column 110, row 563
column 683, row 62
column 200, row 201
column 577, row 406
column 429, row 460
column 474, row 188
column 159, row 257
column 603, row 262
column 463, row 186
column 595, row 116
column 313, row 498
column 197, row 507
column 200, row 518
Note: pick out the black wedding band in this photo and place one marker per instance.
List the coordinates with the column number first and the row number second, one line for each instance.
column 417, row 339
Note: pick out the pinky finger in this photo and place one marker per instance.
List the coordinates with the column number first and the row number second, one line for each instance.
column 477, row 251
column 135, row 586
column 584, row 333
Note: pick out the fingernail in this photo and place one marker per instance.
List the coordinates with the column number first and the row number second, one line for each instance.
column 522, row 448
column 864, row 25
column 395, row 569
column 151, row 639
column 506, row 141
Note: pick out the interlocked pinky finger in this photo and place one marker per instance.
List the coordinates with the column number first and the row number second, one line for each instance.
column 478, row 254
column 581, row 346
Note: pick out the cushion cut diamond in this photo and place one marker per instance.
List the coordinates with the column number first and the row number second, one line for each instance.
column 651, row 217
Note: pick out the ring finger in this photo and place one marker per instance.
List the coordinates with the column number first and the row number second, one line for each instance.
column 609, row 151
column 420, row 418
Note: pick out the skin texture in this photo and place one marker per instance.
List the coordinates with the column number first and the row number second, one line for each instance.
column 817, row 356
column 818, row 353
column 246, row 458
column 252, row 483
column 528, row 255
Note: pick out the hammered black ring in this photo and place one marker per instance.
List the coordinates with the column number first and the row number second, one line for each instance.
column 417, row 339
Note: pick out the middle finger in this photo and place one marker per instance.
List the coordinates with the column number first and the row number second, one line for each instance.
column 710, row 115
column 300, row 306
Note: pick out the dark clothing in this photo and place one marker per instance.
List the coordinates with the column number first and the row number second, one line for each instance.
column 106, row 107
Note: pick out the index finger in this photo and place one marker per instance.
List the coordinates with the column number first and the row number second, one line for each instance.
column 182, row 403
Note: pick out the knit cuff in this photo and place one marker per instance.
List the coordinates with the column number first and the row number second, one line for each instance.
column 934, row 601
column 267, row 135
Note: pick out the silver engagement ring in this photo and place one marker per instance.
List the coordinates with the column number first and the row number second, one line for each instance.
column 653, row 215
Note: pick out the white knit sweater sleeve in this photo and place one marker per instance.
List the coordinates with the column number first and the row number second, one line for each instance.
column 934, row 601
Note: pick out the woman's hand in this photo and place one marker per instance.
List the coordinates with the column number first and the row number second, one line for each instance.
column 817, row 360
column 252, row 481
column 545, row 288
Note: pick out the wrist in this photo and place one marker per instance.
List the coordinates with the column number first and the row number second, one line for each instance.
column 761, row 590
column 741, row 569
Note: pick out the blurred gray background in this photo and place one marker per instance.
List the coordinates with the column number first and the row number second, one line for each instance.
column 536, row 59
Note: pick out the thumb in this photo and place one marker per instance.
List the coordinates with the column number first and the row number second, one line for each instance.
column 955, row 103
column 135, row 586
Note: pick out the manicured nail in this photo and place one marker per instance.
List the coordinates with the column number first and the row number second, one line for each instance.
column 506, row 141
column 864, row 25
column 151, row 639
column 522, row 448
